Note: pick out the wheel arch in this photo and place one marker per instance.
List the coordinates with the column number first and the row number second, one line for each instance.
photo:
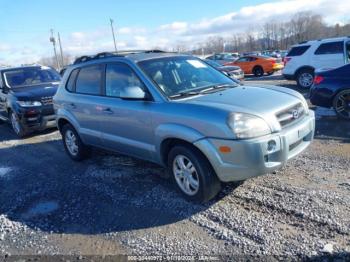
column 169, row 135
column 305, row 67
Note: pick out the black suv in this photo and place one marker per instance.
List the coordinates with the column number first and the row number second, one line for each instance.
column 26, row 97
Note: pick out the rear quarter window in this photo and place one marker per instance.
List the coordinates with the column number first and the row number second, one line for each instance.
column 298, row 50
column 71, row 81
column 330, row 48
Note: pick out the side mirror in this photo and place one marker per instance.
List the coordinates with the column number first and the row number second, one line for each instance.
column 133, row 93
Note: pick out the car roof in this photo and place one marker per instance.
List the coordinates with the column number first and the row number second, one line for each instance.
column 133, row 56
column 22, row 67
column 326, row 40
column 137, row 57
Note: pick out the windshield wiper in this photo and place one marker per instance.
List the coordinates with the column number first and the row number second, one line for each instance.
column 202, row 91
column 216, row 87
column 184, row 94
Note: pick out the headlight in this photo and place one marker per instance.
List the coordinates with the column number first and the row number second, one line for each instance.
column 247, row 126
column 306, row 106
column 29, row 103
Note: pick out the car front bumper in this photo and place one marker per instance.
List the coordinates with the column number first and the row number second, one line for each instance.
column 39, row 118
column 239, row 75
column 251, row 157
column 38, row 122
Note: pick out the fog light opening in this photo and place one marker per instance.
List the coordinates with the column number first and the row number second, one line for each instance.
column 271, row 146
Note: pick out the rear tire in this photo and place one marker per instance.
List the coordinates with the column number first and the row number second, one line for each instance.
column 72, row 143
column 305, row 78
column 341, row 104
column 258, row 71
column 192, row 173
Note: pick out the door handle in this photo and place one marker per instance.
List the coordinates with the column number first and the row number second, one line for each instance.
column 107, row 111
column 72, row 105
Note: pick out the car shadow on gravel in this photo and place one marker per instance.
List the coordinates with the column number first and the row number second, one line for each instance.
column 43, row 189
column 333, row 128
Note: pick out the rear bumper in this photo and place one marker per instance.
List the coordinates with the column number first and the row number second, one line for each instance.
column 321, row 96
column 277, row 67
column 251, row 157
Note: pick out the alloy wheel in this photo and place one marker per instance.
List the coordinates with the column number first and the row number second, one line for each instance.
column 186, row 175
column 71, row 143
column 306, row 80
column 15, row 123
column 342, row 105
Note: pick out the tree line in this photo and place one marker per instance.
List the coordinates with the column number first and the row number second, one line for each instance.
column 274, row 35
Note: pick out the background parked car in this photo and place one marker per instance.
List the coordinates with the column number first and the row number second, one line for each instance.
column 303, row 59
column 234, row 72
column 332, row 89
column 26, row 97
column 258, row 65
column 223, row 58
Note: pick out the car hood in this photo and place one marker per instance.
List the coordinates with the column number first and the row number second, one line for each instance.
column 263, row 101
column 35, row 92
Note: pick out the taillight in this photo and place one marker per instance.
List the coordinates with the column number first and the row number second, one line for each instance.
column 286, row 60
column 318, row 80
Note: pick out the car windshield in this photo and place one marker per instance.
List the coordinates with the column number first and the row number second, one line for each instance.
column 30, row 76
column 179, row 75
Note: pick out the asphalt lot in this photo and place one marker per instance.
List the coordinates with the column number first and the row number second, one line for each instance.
column 113, row 204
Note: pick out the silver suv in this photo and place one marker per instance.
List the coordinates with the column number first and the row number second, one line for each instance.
column 177, row 111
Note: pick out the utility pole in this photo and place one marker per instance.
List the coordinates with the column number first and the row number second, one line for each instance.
column 115, row 44
column 60, row 44
column 53, row 41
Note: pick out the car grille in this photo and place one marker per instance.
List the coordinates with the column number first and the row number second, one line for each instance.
column 47, row 100
column 290, row 115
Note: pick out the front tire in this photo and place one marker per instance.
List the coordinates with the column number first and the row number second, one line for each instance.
column 305, row 78
column 341, row 104
column 16, row 125
column 72, row 143
column 193, row 174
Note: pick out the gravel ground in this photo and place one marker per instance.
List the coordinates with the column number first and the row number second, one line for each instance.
column 112, row 204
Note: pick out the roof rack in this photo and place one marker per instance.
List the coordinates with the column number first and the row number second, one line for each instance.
column 87, row 58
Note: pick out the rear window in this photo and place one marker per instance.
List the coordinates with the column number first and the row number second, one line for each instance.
column 298, row 50
column 89, row 80
column 330, row 48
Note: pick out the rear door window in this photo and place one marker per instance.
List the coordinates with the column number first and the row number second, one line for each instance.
column 330, row 48
column 298, row 50
column 89, row 80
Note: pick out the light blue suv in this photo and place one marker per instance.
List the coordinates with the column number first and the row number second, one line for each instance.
column 177, row 111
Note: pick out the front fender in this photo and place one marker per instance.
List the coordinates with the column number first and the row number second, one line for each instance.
column 175, row 131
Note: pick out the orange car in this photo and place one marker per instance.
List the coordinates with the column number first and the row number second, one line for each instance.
column 257, row 65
